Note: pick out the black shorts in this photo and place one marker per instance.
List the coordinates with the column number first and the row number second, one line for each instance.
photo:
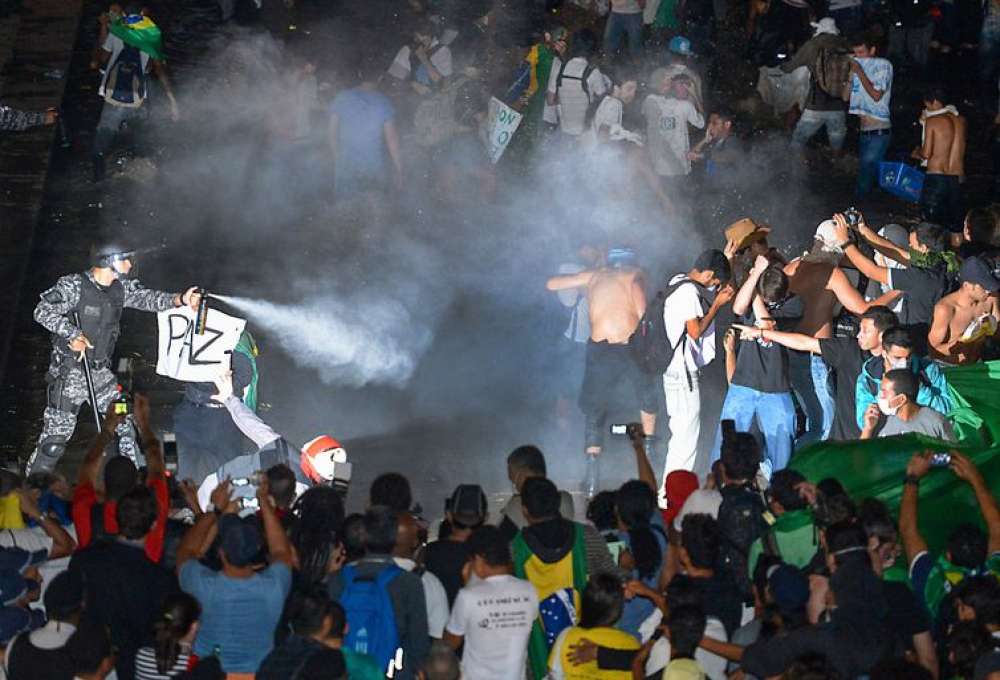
column 941, row 201
column 607, row 367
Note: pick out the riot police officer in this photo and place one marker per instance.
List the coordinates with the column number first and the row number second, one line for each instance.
column 97, row 296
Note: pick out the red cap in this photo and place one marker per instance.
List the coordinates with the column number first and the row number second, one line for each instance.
column 678, row 485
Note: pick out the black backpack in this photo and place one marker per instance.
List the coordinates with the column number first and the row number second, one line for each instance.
column 741, row 522
column 126, row 83
column 649, row 343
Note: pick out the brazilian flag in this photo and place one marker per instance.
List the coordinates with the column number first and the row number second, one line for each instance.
column 139, row 32
column 875, row 468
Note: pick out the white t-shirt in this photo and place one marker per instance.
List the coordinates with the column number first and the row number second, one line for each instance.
column 667, row 121
column 33, row 539
column 434, row 594
column 659, row 656
column 114, row 45
column 608, row 115
column 700, row 502
column 440, row 59
column 573, row 99
column 495, row 617
column 683, row 305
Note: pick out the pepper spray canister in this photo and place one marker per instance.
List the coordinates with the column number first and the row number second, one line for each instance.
column 199, row 326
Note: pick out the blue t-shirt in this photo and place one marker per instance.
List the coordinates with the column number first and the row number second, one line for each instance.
column 638, row 609
column 238, row 615
column 879, row 72
column 361, row 152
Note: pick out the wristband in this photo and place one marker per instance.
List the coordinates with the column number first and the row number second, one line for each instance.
column 912, row 480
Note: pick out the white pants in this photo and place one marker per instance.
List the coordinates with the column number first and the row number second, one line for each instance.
column 683, row 420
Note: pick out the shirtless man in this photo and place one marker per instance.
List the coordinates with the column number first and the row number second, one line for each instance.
column 943, row 154
column 822, row 286
column 963, row 320
column 616, row 301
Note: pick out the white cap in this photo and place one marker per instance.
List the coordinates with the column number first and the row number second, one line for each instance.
column 825, row 25
column 826, row 235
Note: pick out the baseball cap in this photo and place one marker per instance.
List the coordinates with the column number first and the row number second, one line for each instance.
column 699, row 502
column 468, row 504
column 976, row 270
column 678, row 485
column 680, row 45
column 789, row 587
column 746, row 231
column 239, row 539
column 18, row 559
column 13, row 586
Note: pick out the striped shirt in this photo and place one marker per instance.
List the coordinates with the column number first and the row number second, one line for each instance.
column 145, row 665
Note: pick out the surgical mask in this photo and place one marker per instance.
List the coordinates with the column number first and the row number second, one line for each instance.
column 713, row 289
column 885, row 408
column 898, row 363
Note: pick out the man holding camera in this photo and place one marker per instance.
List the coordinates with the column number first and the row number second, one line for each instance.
column 82, row 311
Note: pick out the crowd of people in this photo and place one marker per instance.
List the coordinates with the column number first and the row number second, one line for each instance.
column 729, row 563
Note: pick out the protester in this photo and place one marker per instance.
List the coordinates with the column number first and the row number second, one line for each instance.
column 942, row 151
column 871, row 95
column 689, row 320
column 575, row 84
column 897, row 403
column 241, row 605
column 465, row 513
column 493, row 615
column 967, row 318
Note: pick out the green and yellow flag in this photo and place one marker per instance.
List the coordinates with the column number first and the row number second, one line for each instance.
column 139, row 32
column 875, row 468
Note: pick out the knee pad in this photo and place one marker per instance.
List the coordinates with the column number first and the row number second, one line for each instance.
column 593, row 434
column 46, row 455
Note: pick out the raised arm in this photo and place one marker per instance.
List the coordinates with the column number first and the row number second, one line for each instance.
column 741, row 304
column 197, row 539
column 867, row 84
column 92, row 460
column 278, row 546
column 567, row 281
column 63, row 544
column 643, row 467
column 696, row 327
column 913, row 543
column 882, row 244
column 255, row 429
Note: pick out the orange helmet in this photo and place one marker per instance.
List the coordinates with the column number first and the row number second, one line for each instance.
column 319, row 456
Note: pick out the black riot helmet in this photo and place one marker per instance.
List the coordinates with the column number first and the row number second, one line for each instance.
column 107, row 253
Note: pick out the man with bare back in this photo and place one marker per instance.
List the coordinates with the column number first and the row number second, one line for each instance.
column 823, row 287
column 943, row 153
column 616, row 301
column 965, row 319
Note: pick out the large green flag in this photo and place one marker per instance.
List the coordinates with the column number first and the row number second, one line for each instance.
column 875, row 468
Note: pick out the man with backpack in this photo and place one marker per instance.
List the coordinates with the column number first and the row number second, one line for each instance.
column 687, row 335
column 132, row 50
column 576, row 85
column 385, row 605
column 741, row 515
column 826, row 57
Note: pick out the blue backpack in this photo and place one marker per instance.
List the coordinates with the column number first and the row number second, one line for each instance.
column 371, row 620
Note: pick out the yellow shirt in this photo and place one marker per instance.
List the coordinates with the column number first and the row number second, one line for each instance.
column 603, row 637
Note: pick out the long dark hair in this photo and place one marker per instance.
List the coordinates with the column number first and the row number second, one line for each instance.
column 635, row 504
column 319, row 514
column 179, row 613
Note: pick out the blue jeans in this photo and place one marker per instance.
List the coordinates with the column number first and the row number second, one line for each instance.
column 623, row 24
column 775, row 417
column 810, row 378
column 871, row 152
column 810, row 123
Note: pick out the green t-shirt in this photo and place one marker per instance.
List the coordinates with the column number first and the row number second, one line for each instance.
column 797, row 539
column 361, row 666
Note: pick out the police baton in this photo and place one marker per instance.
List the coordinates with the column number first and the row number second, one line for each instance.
column 90, row 380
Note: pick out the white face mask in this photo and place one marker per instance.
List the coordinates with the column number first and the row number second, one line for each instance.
column 885, row 408
column 898, row 363
column 713, row 289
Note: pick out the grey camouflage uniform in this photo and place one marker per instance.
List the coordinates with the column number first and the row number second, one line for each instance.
column 67, row 386
column 15, row 121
